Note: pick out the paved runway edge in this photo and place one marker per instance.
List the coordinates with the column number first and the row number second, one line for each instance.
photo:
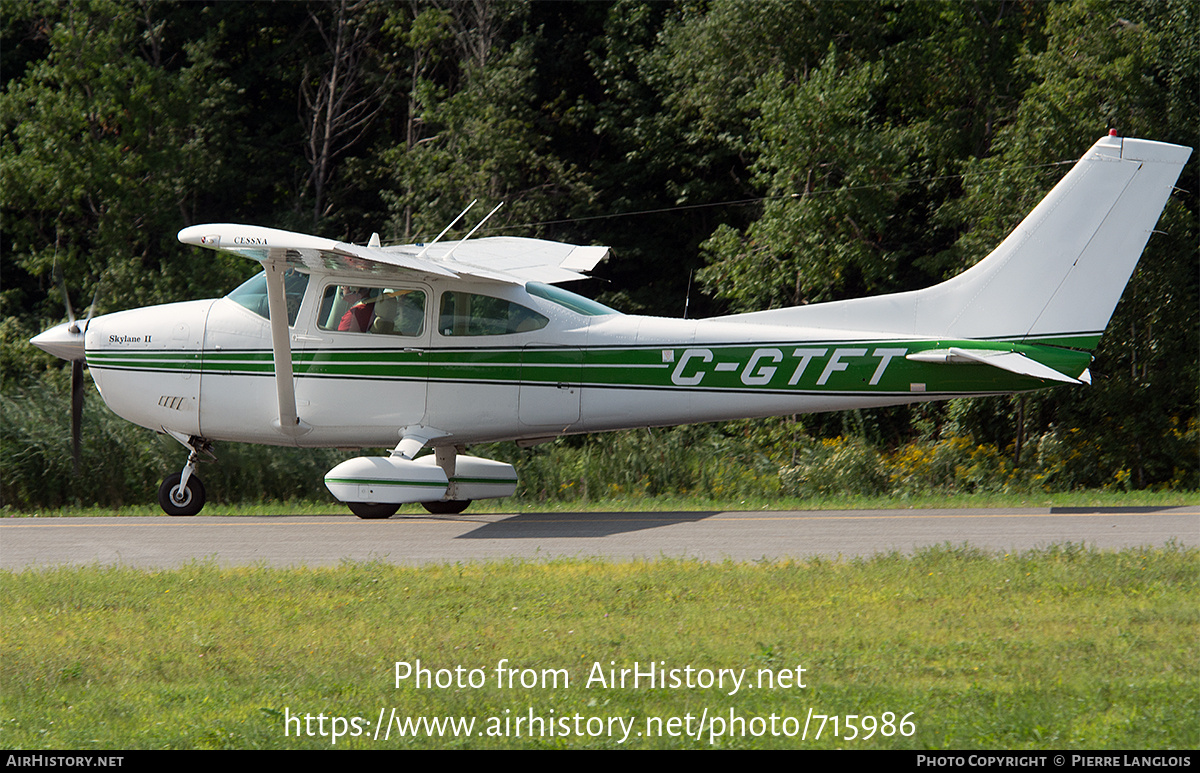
column 161, row 542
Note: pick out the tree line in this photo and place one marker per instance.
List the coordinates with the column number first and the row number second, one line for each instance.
column 735, row 155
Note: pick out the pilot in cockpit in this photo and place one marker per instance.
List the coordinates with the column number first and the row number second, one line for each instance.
column 357, row 318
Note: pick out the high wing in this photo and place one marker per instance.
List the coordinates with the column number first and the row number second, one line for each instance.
column 505, row 259
column 508, row 259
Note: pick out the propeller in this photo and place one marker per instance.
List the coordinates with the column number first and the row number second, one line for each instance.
column 77, row 363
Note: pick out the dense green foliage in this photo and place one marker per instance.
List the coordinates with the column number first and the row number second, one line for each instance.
column 747, row 155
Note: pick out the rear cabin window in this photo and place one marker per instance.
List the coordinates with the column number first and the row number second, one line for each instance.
column 468, row 314
column 569, row 300
column 379, row 310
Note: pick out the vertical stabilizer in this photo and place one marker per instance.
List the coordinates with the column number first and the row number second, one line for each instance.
column 1058, row 275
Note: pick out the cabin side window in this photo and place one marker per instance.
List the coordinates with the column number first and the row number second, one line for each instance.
column 380, row 310
column 569, row 300
column 252, row 294
column 468, row 314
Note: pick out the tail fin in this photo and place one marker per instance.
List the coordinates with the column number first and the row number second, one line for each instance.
column 1058, row 275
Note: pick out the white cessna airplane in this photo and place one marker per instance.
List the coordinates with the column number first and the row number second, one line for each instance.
column 452, row 343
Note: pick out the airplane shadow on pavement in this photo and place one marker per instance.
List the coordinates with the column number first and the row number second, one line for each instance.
column 576, row 525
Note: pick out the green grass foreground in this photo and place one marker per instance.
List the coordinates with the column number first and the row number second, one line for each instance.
column 1058, row 648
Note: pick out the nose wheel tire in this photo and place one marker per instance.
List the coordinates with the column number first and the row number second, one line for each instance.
column 372, row 510
column 447, row 506
column 176, row 500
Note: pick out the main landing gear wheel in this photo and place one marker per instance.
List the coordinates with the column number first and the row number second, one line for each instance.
column 446, row 506
column 372, row 510
column 176, row 500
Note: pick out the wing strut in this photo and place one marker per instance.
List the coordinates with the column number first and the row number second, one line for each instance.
column 289, row 421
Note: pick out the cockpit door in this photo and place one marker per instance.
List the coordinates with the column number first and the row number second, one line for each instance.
column 361, row 360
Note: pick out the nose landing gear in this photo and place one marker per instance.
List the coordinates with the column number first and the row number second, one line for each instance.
column 183, row 493
column 176, row 497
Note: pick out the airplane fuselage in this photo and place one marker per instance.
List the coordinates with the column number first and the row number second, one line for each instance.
column 445, row 344
column 205, row 368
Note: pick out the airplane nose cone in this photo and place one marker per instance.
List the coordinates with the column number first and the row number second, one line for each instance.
column 64, row 341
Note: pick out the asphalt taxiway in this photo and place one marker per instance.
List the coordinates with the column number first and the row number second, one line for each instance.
column 313, row 540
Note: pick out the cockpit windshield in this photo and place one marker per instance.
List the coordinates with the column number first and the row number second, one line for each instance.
column 252, row 294
column 568, row 299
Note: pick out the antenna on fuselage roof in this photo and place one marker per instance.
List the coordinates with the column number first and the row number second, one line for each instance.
column 421, row 254
column 473, row 230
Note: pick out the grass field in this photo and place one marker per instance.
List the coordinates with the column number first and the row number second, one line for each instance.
column 951, row 648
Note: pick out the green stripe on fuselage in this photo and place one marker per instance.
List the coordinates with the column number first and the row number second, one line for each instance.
column 867, row 366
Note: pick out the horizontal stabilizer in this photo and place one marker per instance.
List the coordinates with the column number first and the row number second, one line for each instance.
column 1013, row 362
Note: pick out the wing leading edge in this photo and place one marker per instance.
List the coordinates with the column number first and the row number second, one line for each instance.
column 508, row 259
